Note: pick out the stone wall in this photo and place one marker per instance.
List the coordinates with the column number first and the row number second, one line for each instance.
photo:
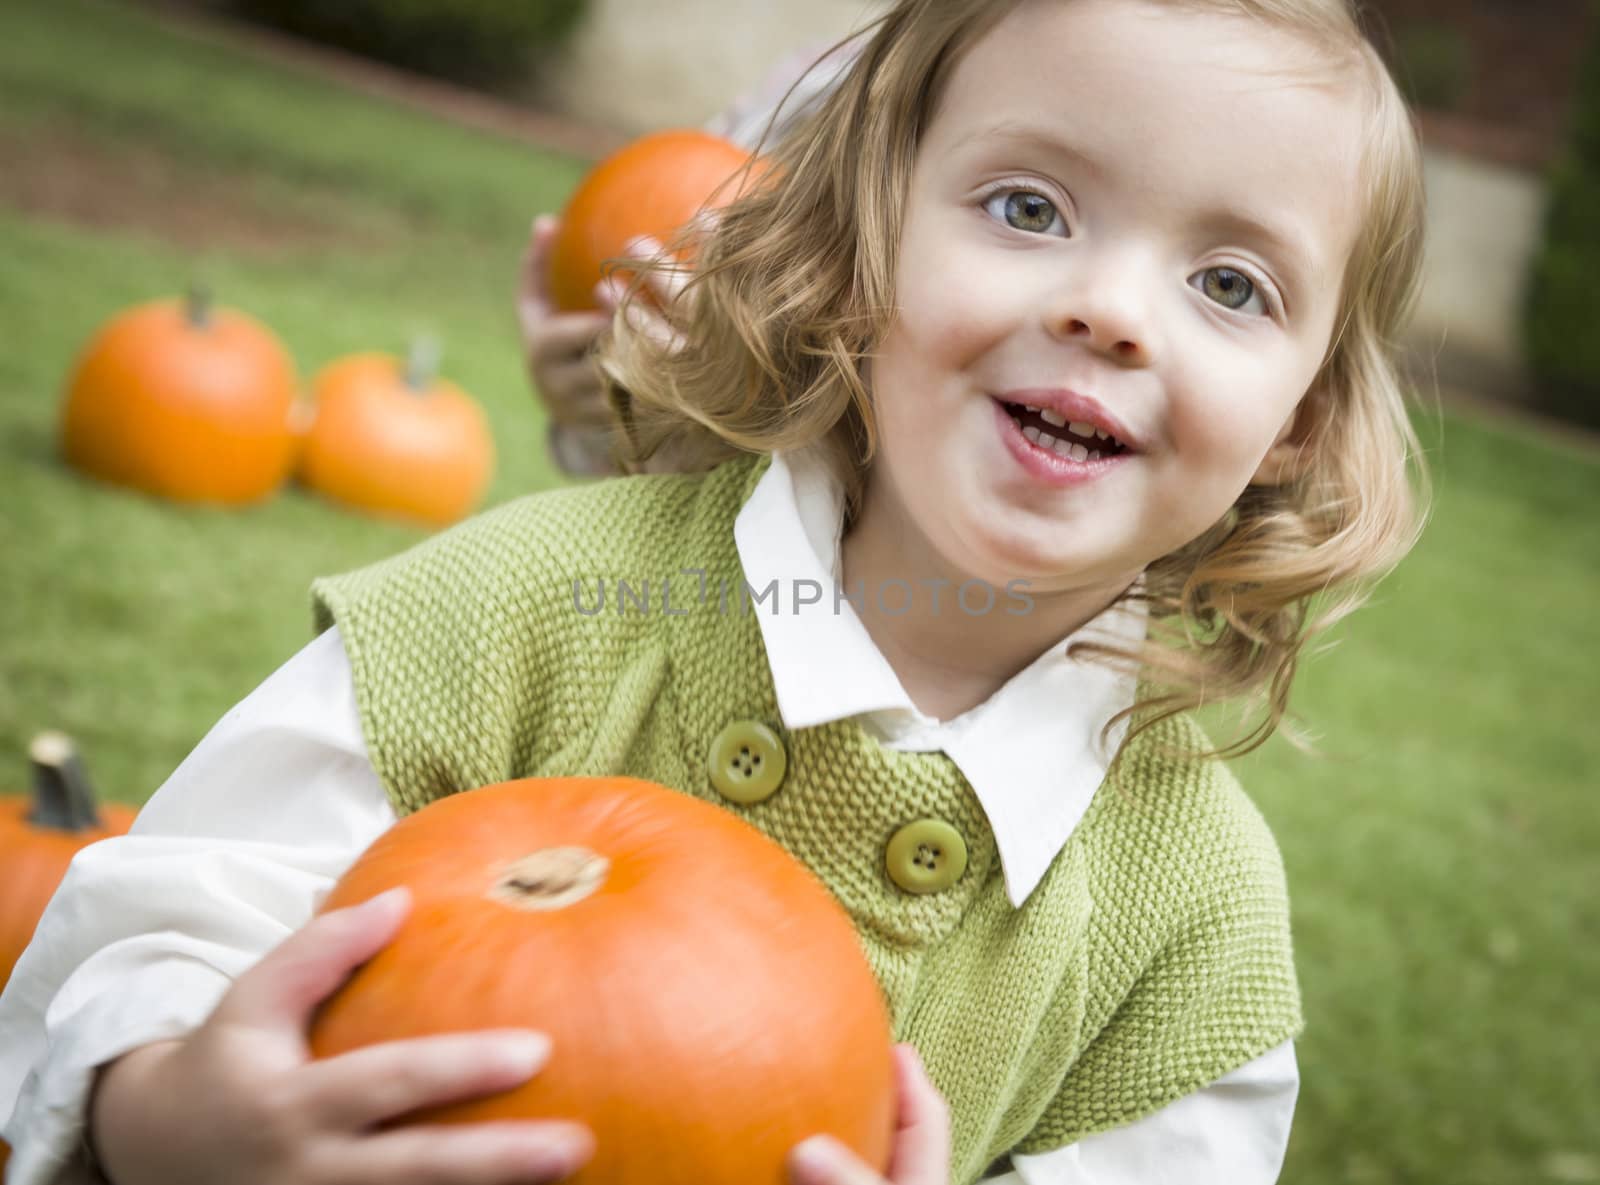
column 1484, row 225
column 638, row 65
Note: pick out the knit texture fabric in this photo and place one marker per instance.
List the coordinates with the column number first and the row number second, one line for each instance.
column 1153, row 958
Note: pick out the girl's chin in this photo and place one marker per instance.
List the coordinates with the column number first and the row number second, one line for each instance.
column 1000, row 557
column 1052, row 557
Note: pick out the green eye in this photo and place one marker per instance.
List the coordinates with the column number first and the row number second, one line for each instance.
column 1029, row 211
column 1229, row 288
column 1024, row 210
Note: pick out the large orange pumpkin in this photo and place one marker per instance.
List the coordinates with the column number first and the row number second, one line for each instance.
column 40, row 835
column 708, row 1001
column 183, row 400
column 653, row 186
column 389, row 437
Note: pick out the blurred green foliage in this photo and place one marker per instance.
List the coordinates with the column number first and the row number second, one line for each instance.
column 1561, row 327
column 1434, row 64
column 470, row 40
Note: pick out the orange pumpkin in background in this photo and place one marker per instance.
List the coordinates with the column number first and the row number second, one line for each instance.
column 390, row 437
column 39, row 835
column 38, row 838
column 708, row 1001
column 183, row 400
column 653, row 186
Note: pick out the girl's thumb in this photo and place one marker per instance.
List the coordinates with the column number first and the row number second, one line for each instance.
column 286, row 986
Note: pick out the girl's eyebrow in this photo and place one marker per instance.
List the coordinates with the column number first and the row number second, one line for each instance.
column 1030, row 136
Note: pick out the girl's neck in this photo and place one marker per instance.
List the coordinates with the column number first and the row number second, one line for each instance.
column 950, row 658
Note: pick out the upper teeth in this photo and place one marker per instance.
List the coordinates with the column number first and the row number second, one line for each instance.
column 1078, row 428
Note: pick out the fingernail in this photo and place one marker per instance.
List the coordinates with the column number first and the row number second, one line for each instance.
column 569, row 1147
column 814, row 1157
column 524, row 1052
column 389, row 900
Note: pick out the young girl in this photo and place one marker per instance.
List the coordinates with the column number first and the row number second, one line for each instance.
column 1036, row 398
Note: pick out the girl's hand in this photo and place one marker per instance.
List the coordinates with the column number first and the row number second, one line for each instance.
column 556, row 344
column 921, row 1141
column 559, row 345
column 664, row 286
column 241, row 1101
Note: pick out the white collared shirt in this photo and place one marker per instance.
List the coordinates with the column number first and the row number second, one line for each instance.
column 242, row 842
column 825, row 667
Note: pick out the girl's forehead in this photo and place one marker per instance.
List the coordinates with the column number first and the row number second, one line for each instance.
column 1128, row 47
column 1122, row 78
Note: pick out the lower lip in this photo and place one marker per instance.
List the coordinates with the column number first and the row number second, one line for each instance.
column 1046, row 464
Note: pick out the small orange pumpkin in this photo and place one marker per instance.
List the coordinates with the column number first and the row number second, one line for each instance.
column 653, row 186
column 40, row 835
column 707, row 999
column 185, row 401
column 389, row 437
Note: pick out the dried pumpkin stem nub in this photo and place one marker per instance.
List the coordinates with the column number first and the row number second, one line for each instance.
column 422, row 362
column 63, row 799
column 197, row 305
column 551, row 878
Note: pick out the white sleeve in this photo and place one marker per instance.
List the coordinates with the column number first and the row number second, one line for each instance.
column 147, row 931
column 1232, row 1132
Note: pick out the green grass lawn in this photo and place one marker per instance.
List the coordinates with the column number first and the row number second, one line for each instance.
column 1441, row 849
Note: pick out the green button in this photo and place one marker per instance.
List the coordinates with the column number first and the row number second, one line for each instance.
column 747, row 762
column 926, row 856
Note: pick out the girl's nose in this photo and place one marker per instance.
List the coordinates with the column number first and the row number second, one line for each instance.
column 1108, row 313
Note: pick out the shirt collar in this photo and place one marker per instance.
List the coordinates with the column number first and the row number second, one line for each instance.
column 1032, row 752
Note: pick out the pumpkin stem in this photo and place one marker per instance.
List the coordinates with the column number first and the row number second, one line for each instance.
column 422, row 363
column 63, row 800
column 198, row 304
column 552, row 878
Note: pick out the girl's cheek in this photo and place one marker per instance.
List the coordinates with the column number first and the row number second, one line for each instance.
column 1224, row 432
column 962, row 317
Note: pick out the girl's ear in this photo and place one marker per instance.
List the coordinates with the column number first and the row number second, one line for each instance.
column 1290, row 454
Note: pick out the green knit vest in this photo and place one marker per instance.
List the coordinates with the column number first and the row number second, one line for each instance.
column 1152, row 958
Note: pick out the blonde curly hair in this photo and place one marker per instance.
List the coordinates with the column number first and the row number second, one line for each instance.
column 793, row 286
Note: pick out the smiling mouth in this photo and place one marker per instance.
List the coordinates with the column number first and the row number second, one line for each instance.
column 1049, row 430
